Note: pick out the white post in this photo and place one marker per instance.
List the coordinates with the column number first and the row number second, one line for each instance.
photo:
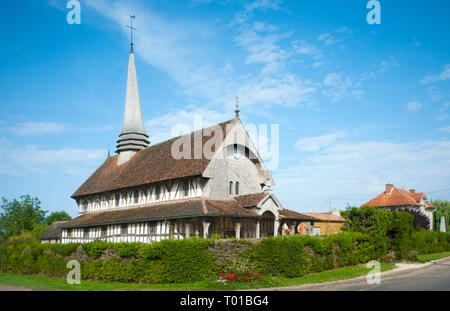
column 205, row 228
column 292, row 229
column 187, row 229
column 237, row 229
column 258, row 228
column 276, row 224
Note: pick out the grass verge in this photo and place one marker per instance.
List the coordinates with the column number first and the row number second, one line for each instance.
column 435, row 256
column 44, row 283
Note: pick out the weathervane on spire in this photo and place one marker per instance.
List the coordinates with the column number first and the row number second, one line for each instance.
column 237, row 107
column 131, row 29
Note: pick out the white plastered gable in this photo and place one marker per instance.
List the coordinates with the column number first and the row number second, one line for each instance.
column 237, row 134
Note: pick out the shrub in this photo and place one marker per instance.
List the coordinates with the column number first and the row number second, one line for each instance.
column 96, row 248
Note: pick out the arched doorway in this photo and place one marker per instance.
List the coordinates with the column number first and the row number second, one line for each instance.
column 267, row 224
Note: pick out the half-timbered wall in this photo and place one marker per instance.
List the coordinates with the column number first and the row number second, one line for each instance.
column 134, row 197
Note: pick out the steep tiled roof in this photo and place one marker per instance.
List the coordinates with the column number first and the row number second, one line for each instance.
column 196, row 207
column 428, row 204
column 397, row 197
column 149, row 165
column 250, row 200
column 53, row 231
column 326, row 217
column 289, row 214
column 417, row 195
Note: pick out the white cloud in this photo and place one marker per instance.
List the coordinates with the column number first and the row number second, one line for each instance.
column 185, row 120
column 263, row 4
column 336, row 87
column 262, row 48
column 414, row 106
column 37, row 128
column 23, row 160
column 302, row 47
column 168, row 45
column 328, row 39
column 312, row 144
column 47, row 128
column 287, row 91
column 445, row 129
column 359, row 170
column 444, row 75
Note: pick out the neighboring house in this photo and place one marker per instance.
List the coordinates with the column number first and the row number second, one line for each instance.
column 400, row 198
column 53, row 233
column 328, row 223
column 211, row 181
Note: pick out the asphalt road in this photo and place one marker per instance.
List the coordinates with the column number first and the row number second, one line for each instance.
column 435, row 277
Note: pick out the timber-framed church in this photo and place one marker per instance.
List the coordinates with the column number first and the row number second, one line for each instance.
column 211, row 181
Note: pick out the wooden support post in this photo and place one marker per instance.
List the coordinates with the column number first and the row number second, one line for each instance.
column 258, row 228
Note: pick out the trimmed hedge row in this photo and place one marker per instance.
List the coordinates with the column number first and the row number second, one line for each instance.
column 189, row 260
column 168, row 261
column 294, row 256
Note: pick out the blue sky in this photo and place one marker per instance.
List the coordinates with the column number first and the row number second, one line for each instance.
column 357, row 105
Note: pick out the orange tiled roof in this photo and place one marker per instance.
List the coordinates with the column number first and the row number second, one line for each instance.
column 326, row 217
column 417, row 195
column 397, row 197
column 428, row 204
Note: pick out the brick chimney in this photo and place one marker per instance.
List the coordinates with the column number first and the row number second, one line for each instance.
column 389, row 188
column 412, row 190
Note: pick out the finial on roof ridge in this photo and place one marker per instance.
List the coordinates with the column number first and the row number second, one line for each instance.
column 237, row 107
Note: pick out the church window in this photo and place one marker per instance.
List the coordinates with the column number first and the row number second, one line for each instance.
column 124, row 229
column 157, row 192
column 84, row 205
column 186, row 188
column 237, row 188
column 103, row 231
column 136, row 196
column 152, row 227
column 117, row 199
column 230, row 190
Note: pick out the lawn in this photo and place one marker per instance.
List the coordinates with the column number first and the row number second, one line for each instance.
column 44, row 283
column 435, row 256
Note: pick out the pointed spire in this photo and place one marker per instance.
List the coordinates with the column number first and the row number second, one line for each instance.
column 237, row 107
column 133, row 136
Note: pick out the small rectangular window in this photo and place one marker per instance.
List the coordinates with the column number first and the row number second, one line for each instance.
column 152, row 227
column 237, row 188
column 136, row 196
column 186, row 188
column 117, row 200
column 124, row 229
column 103, row 231
column 157, row 192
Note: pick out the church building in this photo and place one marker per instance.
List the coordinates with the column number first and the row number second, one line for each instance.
column 208, row 182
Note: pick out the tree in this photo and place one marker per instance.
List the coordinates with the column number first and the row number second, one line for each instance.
column 443, row 209
column 420, row 219
column 20, row 216
column 57, row 216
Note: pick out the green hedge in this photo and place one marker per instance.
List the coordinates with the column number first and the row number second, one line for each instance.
column 189, row 260
column 294, row 256
column 168, row 261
